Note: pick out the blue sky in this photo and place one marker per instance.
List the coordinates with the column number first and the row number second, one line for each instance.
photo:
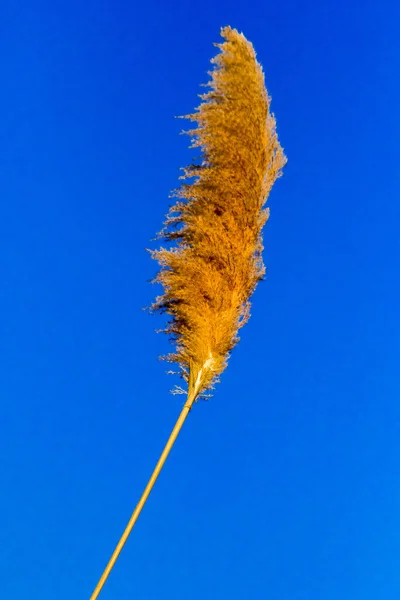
column 285, row 486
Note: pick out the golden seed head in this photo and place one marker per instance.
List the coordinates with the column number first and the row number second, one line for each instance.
column 210, row 274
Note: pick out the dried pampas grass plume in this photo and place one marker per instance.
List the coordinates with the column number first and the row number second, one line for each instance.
column 210, row 274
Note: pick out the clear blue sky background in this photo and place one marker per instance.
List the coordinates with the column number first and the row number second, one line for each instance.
column 286, row 485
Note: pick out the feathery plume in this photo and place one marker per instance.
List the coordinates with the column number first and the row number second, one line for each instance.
column 211, row 273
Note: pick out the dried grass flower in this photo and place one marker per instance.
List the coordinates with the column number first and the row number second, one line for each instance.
column 215, row 262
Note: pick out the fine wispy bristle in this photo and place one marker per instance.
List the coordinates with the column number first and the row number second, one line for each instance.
column 211, row 272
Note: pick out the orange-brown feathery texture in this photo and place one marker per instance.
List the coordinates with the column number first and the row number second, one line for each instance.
column 210, row 274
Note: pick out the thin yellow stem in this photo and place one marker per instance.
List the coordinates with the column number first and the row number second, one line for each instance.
column 178, row 425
